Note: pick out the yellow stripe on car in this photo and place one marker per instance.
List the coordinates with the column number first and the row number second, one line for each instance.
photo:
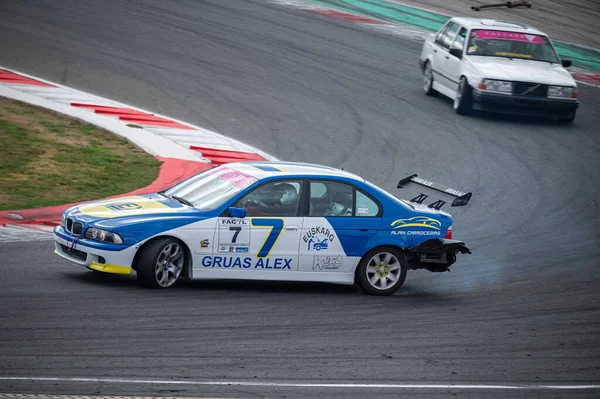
column 126, row 206
column 115, row 269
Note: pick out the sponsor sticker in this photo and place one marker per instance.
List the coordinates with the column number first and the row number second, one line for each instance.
column 417, row 221
column 415, row 233
column 230, row 262
column 318, row 238
column 321, row 262
column 204, row 243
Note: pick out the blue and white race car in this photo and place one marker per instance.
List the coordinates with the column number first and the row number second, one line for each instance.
column 267, row 221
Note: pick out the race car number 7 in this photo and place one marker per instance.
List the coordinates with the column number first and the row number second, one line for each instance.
column 276, row 226
column 237, row 230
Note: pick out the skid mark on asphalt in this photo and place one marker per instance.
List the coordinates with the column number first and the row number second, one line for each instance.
column 23, row 234
column 405, row 29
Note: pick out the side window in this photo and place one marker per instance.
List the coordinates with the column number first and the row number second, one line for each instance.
column 440, row 34
column 365, row 206
column 328, row 198
column 459, row 42
column 449, row 35
column 278, row 198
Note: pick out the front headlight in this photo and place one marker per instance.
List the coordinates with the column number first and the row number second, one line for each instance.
column 102, row 235
column 562, row 92
column 500, row 86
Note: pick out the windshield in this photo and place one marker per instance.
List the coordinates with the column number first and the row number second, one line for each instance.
column 211, row 189
column 496, row 43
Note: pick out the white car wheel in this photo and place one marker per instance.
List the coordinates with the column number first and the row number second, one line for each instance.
column 428, row 80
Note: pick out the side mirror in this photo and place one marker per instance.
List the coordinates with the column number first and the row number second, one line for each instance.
column 566, row 63
column 456, row 52
column 239, row 213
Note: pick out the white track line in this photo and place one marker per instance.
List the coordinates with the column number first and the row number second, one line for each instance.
column 511, row 386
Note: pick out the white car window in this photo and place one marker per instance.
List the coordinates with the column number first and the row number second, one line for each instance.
column 459, row 42
column 449, row 36
column 336, row 200
column 506, row 44
column 278, row 198
column 440, row 34
column 211, row 189
column 365, row 206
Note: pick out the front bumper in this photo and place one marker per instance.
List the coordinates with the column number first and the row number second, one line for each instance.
column 522, row 105
column 84, row 253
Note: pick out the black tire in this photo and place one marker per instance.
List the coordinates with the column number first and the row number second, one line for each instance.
column 568, row 119
column 463, row 103
column 370, row 273
column 428, row 80
column 161, row 262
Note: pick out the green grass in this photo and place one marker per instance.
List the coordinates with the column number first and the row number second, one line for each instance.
column 48, row 159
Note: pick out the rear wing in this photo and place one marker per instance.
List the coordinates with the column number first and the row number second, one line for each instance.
column 509, row 4
column 427, row 189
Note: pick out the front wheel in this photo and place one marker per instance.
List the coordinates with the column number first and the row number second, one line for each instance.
column 160, row 263
column 463, row 102
column 428, row 80
column 382, row 271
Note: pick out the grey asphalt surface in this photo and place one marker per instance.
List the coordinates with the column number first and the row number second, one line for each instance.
column 574, row 21
column 524, row 308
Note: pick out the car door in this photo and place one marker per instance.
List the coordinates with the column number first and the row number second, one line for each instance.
column 340, row 220
column 453, row 64
column 266, row 240
column 441, row 53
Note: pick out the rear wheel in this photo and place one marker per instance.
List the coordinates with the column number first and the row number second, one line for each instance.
column 160, row 263
column 463, row 102
column 382, row 271
column 428, row 80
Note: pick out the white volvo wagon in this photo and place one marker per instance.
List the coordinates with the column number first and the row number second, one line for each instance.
column 498, row 66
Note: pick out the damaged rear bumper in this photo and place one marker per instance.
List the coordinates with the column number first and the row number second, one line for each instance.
column 436, row 254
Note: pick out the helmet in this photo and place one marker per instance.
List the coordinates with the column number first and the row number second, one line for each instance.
column 289, row 195
column 276, row 194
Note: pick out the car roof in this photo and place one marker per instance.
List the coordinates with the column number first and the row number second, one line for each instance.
column 266, row 169
column 494, row 24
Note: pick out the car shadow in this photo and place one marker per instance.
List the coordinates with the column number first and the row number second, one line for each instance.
column 498, row 117
column 109, row 280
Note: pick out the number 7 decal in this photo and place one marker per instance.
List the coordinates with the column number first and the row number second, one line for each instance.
column 237, row 230
column 276, row 226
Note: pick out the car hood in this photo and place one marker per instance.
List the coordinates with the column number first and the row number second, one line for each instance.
column 522, row 70
column 132, row 207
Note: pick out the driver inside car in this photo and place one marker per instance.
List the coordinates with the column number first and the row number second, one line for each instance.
column 279, row 199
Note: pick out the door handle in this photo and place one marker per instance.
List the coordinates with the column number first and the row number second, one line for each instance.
column 447, row 57
column 292, row 228
column 435, row 50
column 363, row 229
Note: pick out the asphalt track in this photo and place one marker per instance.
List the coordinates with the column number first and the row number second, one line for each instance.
column 523, row 309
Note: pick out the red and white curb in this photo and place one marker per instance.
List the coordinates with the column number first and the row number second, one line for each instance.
column 166, row 138
column 366, row 22
column 159, row 135
column 580, row 75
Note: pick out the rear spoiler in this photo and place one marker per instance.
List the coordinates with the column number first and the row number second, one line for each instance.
column 509, row 4
column 427, row 188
